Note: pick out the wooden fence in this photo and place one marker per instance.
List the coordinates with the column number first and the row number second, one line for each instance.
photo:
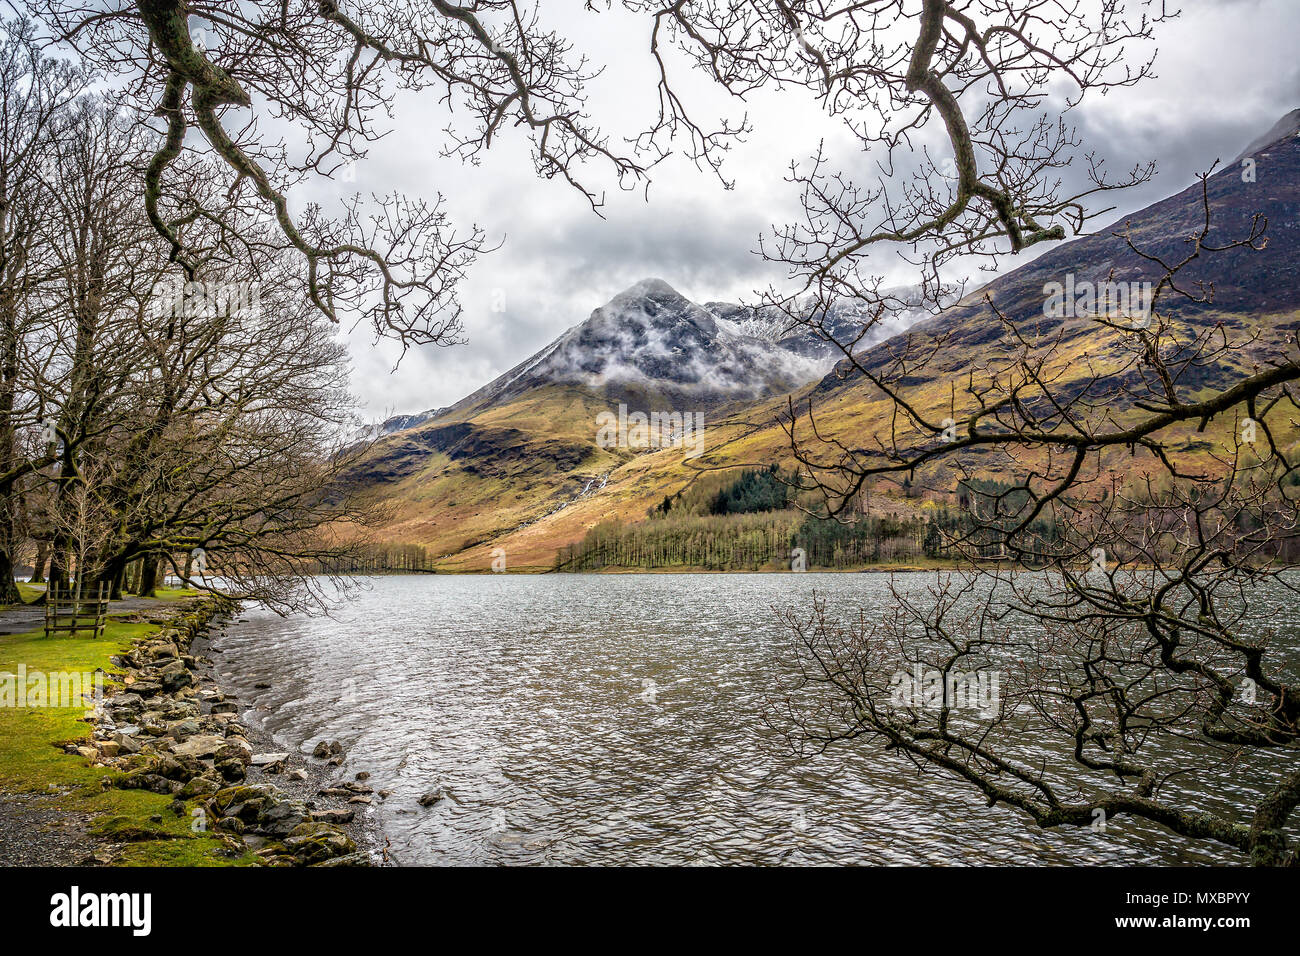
column 76, row 613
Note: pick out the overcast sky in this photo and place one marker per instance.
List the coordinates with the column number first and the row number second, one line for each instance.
column 1227, row 70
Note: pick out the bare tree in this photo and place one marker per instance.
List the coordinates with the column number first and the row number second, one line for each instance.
column 84, row 525
column 885, row 67
column 35, row 93
column 237, row 442
column 389, row 260
column 1142, row 668
column 211, row 413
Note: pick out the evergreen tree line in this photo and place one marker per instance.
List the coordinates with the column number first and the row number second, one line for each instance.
column 755, row 490
column 739, row 526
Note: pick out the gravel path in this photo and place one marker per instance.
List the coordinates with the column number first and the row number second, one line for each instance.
column 20, row 620
column 34, row 833
column 33, row 830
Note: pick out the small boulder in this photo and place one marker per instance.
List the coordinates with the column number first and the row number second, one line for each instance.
column 232, row 750
column 281, row 818
column 185, row 728
column 327, row 748
column 202, row 746
column 262, row 760
column 232, row 771
column 201, row 786
column 312, row 843
column 130, row 705
column 332, row 816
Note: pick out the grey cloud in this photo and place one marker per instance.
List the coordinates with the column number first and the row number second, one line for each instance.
column 1226, row 72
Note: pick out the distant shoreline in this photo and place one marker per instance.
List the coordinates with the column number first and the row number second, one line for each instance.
column 532, row 571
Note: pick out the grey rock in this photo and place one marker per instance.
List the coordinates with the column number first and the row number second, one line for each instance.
column 175, row 676
column 315, row 843
column 332, row 816
column 185, row 728
column 127, row 703
column 281, row 818
column 261, row 760
column 201, row 745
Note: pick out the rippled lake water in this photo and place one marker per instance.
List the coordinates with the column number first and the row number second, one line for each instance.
column 614, row 719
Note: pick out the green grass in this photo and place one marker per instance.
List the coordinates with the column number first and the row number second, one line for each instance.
column 174, row 594
column 32, row 761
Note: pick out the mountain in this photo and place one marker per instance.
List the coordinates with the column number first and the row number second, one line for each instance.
column 1250, row 290
column 652, row 346
column 524, row 445
column 395, row 423
column 516, row 465
column 1288, row 125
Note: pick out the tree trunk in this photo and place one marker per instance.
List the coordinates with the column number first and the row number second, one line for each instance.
column 111, row 578
column 10, row 492
column 58, row 568
column 8, row 589
column 149, row 575
column 38, row 566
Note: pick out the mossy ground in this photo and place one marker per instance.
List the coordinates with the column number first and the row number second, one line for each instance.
column 32, row 761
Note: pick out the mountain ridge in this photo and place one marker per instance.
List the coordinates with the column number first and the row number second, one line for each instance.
column 521, row 469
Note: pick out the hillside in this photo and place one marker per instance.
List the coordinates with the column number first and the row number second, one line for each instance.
column 516, row 465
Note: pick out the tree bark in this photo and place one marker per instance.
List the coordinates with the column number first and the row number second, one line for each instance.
column 149, row 575
column 38, row 566
column 8, row 588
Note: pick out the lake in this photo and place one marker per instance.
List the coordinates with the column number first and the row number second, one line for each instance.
column 616, row 719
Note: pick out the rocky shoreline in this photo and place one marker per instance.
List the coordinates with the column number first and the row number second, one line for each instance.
column 319, row 780
column 171, row 730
